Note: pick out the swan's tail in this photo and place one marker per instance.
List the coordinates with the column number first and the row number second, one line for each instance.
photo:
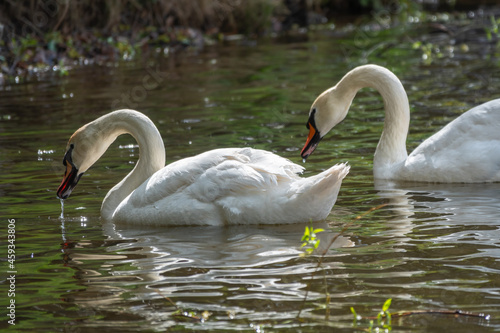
column 317, row 194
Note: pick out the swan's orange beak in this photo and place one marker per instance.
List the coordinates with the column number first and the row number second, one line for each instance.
column 71, row 177
column 312, row 141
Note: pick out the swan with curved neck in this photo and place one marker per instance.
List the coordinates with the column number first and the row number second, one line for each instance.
column 218, row 187
column 467, row 150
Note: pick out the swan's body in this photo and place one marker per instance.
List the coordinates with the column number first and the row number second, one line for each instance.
column 218, row 187
column 467, row 150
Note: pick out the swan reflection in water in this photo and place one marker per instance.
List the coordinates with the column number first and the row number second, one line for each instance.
column 229, row 265
column 429, row 206
column 238, row 269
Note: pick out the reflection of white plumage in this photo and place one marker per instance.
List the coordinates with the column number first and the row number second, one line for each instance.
column 465, row 150
column 221, row 186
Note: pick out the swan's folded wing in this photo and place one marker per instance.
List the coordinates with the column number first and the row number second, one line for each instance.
column 232, row 186
column 269, row 163
column 244, row 171
column 465, row 150
column 216, row 173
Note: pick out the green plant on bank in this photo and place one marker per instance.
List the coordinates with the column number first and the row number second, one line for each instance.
column 309, row 240
column 25, row 49
column 22, row 47
column 383, row 318
column 493, row 32
column 55, row 41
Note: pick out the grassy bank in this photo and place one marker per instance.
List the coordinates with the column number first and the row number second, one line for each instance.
column 37, row 35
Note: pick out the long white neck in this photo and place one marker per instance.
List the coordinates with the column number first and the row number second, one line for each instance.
column 151, row 152
column 391, row 148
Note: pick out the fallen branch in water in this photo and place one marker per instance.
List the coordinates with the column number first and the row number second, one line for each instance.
column 457, row 313
column 384, row 317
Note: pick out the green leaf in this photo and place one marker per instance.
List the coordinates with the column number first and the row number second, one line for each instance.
column 316, row 243
column 386, row 305
column 305, row 237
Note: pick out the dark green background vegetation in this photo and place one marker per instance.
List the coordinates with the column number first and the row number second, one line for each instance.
column 37, row 34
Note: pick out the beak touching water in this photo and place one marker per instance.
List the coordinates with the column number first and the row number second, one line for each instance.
column 71, row 176
column 312, row 139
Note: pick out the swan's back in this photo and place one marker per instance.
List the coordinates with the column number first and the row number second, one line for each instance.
column 232, row 186
column 465, row 150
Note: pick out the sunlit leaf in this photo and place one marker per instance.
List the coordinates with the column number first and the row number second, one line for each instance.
column 386, row 305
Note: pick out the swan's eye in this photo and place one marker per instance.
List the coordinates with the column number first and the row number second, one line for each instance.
column 311, row 120
column 67, row 156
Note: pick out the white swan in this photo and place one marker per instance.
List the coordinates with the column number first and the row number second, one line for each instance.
column 467, row 150
column 218, row 187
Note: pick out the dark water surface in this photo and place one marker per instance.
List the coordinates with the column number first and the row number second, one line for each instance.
column 433, row 247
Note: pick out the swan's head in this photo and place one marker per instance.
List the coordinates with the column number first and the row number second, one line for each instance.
column 84, row 148
column 329, row 109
